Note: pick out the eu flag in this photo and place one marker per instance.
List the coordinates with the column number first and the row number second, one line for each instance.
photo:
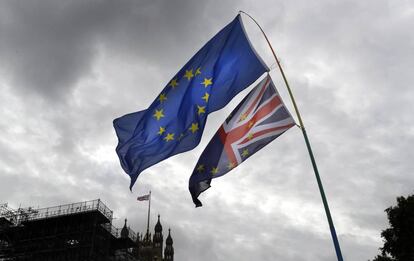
column 175, row 120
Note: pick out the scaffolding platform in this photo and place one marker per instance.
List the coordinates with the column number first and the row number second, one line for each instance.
column 77, row 231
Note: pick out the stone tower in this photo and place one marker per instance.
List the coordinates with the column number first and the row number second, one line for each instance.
column 150, row 247
column 157, row 241
column 169, row 249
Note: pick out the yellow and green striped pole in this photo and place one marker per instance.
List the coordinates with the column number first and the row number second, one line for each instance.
column 315, row 167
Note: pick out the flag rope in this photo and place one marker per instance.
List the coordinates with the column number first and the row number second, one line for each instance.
column 302, row 127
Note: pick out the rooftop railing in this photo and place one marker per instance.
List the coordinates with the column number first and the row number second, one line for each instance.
column 29, row 214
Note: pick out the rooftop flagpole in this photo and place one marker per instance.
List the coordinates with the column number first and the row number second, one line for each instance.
column 315, row 167
column 149, row 209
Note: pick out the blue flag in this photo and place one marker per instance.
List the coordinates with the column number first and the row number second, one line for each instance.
column 260, row 118
column 175, row 120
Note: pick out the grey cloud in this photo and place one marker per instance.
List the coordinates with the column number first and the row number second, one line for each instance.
column 50, row 45
column 68, row 68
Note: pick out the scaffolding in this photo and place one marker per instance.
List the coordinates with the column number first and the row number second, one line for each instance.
column 77, row 231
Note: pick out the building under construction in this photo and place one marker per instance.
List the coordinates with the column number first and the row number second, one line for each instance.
column 78, row 231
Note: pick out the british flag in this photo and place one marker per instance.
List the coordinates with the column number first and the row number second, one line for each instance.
column 144, row 197
column 260, row 118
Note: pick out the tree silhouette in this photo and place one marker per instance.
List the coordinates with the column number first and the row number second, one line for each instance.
column 399, row 237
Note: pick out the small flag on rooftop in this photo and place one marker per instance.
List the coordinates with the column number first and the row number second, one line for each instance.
column 144, row 197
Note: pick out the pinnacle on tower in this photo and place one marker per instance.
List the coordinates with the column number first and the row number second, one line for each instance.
column 125, row 231
column 158, row 226
column 169, row 249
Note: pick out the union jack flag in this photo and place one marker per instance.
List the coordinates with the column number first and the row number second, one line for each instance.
column 144, row 197
column 260, row 118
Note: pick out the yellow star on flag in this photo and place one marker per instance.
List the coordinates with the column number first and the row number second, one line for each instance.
column 194, row 127
column 206, row 96
column 201, row 109
column 214, row 170
column 207, row 82
column 198, row 71
column 173, row 83
column 243, row 117
column 158, row 114
column 231, row 165
column 245, row 152
column 189, row 74
column 161, row 131
column 162, row 97
column 200, row 168
column 170, row 136
column 251, row 123
column 250, row 136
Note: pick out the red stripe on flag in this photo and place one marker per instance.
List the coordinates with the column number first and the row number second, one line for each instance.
column 263, row 132
column 236, row 134
column 227, row 147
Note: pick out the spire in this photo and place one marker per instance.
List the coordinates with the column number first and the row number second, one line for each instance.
column 169, row 240
column 158, row 237
column 125, row 231
column 169, row 249
column 158, row 227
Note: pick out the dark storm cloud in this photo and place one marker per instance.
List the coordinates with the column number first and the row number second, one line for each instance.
column 50, row 45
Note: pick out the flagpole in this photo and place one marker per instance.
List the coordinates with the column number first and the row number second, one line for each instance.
column 149, row 209
column 315, row 167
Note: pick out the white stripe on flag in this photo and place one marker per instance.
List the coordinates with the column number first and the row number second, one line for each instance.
column 143, row 198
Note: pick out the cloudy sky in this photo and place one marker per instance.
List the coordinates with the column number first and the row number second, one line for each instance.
column 68, row 68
